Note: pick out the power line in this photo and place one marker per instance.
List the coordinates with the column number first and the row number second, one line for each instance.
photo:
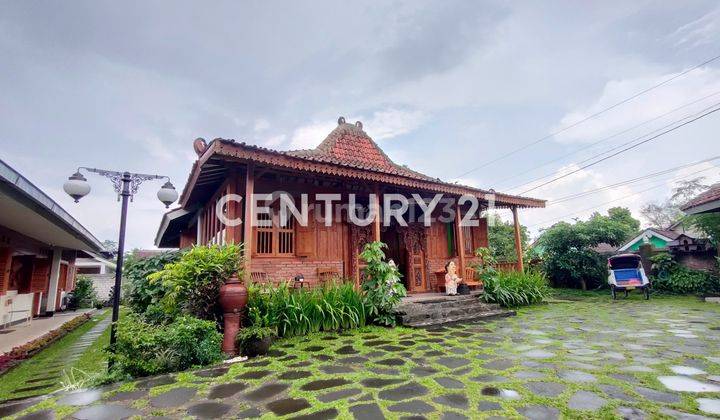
column 613, row 201
column 602, row 111
column 628, row 181
column 621, row 145
column 602, row 140
column 622, row 151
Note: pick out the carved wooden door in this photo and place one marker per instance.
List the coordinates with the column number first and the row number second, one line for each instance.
column 417, row 279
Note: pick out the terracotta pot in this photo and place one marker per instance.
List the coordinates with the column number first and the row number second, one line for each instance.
column 233, row 298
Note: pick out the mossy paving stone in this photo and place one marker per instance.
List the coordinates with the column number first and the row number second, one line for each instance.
column 334, row 369
column 380, row 382
column 539, row 412
column 390, row 362
column 249, row 413
column 353, row 360
column 489, row 406
column 39, row 415
column 41, row 379
column 374, row 343
column 314, row 349
column 128, row 395
column 421, row 371
column 208, row 410
column 414, row 406
column 392, row 348
column 586, row 400
column 288, row 358
column 546, row 389
column 452, row 362
column 488, row 378
column 226, row 390
column 266, row 391
column 295, row 374
column 658, row 396
column 33, row 388
column 324, row 384
column 275, row 353
column 631, row 413
column 367, row 412
column 451, row 415
column 376, row 354
column 212, row 373
column 449, row 383
column 14, row 408
column 105, row 412
column 338, row 395
column 287, row 406
column 616, row 392
column 458, row 401
column 323, row 357
column 434, row 353
column 173, row 398
column 254, row 374
column 403, row 392
column 304, row 363
column 499, row 364
column 329, row 413
column 346, row 350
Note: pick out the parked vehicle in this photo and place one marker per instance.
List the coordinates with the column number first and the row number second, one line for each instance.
column 625, row 273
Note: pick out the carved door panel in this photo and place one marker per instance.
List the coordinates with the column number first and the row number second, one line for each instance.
column 416, row 272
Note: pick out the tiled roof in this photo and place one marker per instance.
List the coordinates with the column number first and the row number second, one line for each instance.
column 666, row 233
column 713, row 194
column 346, row 152
column 349, row 145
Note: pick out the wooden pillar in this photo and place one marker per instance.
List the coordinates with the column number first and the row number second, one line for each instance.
column 518, row 240
column 248, row 216
column 459, row 239
column 378, row 216
column 232, row 233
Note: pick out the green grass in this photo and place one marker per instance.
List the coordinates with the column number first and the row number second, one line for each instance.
column 91, row 360
column 592, row 318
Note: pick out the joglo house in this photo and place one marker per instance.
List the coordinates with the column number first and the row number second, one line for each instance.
column 346, row 178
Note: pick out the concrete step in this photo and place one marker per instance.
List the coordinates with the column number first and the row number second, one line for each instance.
column 465, row 318
column 446, row 313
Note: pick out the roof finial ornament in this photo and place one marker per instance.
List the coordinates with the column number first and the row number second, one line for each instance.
column 200, row 145
column 358, row 124
column 341, row 120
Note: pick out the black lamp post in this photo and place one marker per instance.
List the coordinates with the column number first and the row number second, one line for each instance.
column 126, row 185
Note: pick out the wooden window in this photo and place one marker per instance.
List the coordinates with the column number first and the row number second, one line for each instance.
column 273, row 238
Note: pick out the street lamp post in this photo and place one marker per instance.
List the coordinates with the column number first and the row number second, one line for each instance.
column 126, row 185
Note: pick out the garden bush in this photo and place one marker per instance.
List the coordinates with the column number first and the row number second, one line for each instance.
column 84, row 292
column 145, row 349
column 191, row 285
column 292, row 312
column 140, row 292
column 514, row 288
column 381, row 286
column 670, row 277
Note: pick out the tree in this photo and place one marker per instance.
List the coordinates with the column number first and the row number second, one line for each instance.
column 570, row 260
column 709, row 225
column 501, row 238
column 664, row 214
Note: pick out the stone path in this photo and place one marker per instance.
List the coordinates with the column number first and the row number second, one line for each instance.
column 596, row 358
column 49, row 380
column 18, row 335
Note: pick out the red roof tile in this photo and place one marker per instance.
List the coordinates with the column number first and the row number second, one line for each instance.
column 713, row 194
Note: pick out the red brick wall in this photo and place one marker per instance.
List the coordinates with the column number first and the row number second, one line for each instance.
column 5, row 263
column 40, row 275
column 280, row 269
column 705, row 262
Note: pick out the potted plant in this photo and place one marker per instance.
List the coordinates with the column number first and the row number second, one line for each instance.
column 255, row 340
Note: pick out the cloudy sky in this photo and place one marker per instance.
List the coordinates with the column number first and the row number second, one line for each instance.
column 443, row 86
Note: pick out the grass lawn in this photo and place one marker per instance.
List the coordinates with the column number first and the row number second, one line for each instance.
column 52, row 359
column 583, row 357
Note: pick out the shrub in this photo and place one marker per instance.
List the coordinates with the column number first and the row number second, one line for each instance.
column 84, row 293
column 670, row 277
column 293, row 312
column 145, row 349
column 192, row 284
column 140, row 292
column 514, row 288
column 382, row 287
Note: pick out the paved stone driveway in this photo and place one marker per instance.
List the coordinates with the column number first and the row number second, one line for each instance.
column 588, row 359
